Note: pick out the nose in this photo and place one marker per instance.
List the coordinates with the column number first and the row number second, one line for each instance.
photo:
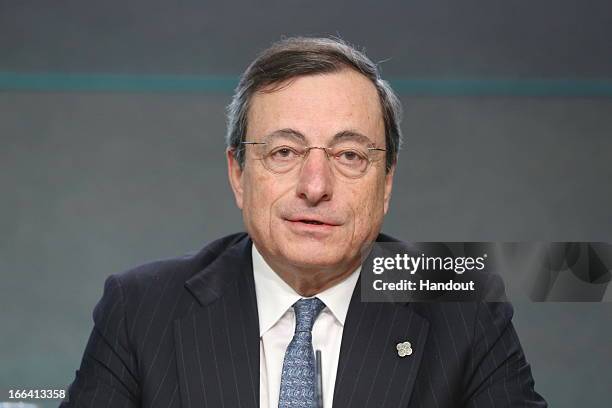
column 316, row 180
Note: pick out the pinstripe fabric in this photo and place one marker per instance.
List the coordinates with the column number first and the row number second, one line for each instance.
column 184, row 333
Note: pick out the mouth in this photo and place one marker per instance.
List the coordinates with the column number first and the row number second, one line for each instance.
column 310, row 225
column 312, row 222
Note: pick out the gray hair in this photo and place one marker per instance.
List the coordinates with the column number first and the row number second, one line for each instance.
column 300, row 56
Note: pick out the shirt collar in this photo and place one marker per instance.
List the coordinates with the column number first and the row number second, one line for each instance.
column 275, row 296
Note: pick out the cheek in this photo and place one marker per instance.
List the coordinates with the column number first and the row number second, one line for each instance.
column 261, row 192
column 368, row 210
column 254, row 201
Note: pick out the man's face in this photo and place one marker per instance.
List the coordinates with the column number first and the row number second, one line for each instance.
column 313, row 216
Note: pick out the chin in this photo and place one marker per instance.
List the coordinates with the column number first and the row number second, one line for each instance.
column 314, row 254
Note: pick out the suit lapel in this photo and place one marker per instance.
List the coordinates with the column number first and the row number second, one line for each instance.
column 370, row 371
column 217, row 345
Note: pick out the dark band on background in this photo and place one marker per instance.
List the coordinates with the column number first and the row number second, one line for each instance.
column 80, row 82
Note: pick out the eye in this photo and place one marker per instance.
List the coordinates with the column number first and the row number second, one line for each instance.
column 283, row 153
column 351, row 157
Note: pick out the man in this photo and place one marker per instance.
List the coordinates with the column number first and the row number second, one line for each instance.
column 313, row 138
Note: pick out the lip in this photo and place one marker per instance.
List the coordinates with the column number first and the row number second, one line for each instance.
column 311, row 225
column 316, row 221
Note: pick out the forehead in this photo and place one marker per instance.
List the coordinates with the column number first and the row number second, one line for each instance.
column 318, row 106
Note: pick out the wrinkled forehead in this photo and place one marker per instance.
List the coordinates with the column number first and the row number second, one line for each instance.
column 294, row 137
column 319, row 107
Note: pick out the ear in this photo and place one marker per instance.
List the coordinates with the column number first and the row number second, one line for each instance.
column 388, row 187
column 234, row 173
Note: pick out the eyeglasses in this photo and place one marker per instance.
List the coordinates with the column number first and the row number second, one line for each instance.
column 349, row 158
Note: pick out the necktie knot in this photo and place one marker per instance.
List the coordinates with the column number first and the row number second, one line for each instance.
column 306, row 311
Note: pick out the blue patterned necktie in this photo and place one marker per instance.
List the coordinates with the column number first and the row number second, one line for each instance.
column 298, row 378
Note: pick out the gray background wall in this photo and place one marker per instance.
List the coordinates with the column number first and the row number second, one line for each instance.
column 93, row 183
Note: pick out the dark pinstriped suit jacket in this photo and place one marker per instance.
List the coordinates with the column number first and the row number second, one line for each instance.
column 185, row 333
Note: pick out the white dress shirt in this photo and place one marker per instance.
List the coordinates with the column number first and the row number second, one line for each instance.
column 275, row 299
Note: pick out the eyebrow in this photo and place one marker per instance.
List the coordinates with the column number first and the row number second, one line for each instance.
column 290, row 133
column 338, row 137
column 352, row 135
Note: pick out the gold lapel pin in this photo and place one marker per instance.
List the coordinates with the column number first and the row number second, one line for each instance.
column 404, row 349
